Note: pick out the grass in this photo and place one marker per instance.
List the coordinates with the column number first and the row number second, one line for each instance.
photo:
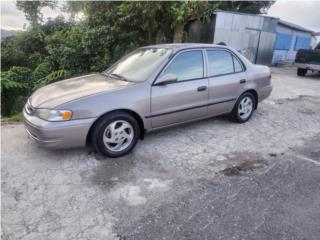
column 14, row 118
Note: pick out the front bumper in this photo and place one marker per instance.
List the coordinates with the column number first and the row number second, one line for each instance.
column 65, row 134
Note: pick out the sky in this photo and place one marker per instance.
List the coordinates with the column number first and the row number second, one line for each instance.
column 305, row 13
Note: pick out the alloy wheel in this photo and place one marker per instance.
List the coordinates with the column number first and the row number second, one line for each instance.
column 118, row 135
column 245, row 108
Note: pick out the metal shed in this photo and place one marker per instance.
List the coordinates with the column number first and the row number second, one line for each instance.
column 289, row 39
column 253, row 35
column 258, row 37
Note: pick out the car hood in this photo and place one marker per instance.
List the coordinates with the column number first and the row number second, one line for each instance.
column 68, row 90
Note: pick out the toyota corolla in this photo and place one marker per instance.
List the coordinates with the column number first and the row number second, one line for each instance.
column 151, row 88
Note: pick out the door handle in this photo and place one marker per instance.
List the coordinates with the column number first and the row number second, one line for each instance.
column 202, row 88
column 242, row 81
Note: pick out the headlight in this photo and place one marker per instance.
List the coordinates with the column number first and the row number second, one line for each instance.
column 53, row 115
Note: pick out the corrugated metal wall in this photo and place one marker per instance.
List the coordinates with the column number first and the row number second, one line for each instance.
column 260, row 38
column 288, row 42
column 252, row 35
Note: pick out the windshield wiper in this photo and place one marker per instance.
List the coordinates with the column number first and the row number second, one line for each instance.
column 117, row 76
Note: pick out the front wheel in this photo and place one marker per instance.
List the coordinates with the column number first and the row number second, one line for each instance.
column 116, row 134
column 244, row 107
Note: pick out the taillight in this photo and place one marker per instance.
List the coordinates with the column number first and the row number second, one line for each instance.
column 269, row 76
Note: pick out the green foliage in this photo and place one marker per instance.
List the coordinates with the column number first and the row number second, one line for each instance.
column 15, row 84
column 19, row 75
column 79, row 50
column 7, row 84
column 66, row 51
column 25, row 50
column 32, row 41
column 52, row 77
column 12, row 54
column 42, row 70
column 35, row 59
column 14, row 118
column 254, row 7
column 57, row 24
column 17, row 105
column 32, row 9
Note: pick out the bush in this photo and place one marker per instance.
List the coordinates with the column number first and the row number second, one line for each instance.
column 12, row 54
column 42, row 70
column 16, row 77
column 17, row 105
column 15, row 85
column 35, row 59
column 14, row 118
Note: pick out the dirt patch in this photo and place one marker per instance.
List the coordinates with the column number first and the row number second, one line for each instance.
column 273, row 154
column 306, row 111
column 298, row 98
column 244, row 166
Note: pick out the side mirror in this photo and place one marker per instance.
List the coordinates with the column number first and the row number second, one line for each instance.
column 165, row 79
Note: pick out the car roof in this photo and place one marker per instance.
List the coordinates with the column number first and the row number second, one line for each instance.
column 180, row 46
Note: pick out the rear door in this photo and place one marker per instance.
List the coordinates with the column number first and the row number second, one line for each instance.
column 227, row 78
column 185, row 99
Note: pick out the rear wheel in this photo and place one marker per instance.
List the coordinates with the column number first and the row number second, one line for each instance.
column 116, row 134
column 244, row 107
column 301, row 72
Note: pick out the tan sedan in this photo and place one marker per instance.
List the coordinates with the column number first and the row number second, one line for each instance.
column 151, row 88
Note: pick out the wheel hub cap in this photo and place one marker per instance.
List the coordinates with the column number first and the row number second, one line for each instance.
column 118, row 135
column 245, row 108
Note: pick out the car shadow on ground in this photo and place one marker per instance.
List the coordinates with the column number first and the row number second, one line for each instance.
column 225, row 119
column 106, row 172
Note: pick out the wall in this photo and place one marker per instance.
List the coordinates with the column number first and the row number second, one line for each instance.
column 241, row 31
column 287, row 55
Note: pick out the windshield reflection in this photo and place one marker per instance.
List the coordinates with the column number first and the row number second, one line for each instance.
column 138, row 65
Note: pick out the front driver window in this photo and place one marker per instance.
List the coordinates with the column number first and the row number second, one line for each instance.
column 187, row 66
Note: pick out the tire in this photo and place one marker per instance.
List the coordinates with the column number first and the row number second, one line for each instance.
column 240, row 113
column 301, row 72
column 115, row 134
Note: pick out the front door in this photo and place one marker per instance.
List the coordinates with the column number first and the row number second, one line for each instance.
column 183, row 100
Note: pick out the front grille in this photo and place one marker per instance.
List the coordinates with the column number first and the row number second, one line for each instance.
column 29, row 108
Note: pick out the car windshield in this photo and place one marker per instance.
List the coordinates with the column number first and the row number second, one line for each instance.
column 138, row 65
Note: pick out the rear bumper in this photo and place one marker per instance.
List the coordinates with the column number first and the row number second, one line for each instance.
column 57, row 134
column 264, row 92
column 315, row 67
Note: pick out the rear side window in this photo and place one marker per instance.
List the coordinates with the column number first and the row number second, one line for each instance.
column 237, row 65
column 187, row 65
column 221, row 62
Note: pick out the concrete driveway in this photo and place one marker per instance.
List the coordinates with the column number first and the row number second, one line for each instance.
column 212, row 179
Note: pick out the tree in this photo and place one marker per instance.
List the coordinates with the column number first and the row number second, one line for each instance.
column 56, row 24
column 11, row 53
column 154, row 22
column 254, row 7
column 32, row 9
column 182, row 12
column 15, row 84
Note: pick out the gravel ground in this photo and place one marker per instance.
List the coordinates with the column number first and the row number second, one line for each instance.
column 212, row 179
